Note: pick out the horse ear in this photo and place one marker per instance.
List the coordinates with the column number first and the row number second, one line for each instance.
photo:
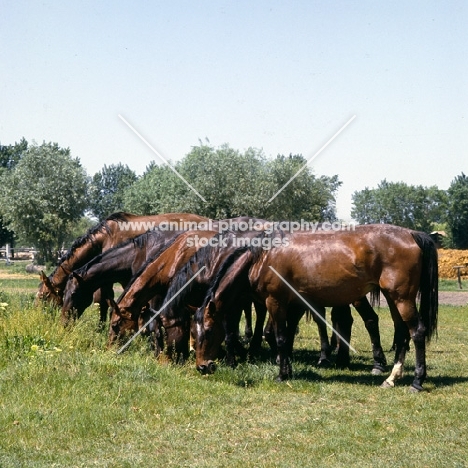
column 45, row 279
column 48, row 283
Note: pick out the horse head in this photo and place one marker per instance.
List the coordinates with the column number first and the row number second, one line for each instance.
column 48, row 292
column 210, row 333
column 76, row 298
column 122, row 322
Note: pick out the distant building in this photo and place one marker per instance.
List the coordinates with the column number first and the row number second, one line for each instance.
column 437, row 237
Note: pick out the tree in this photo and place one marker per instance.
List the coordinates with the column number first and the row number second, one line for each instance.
column 233, row 184
column 457, row 217
column 413, row 207
column 43, row 196
column 106, row 193
column 306, row 196
column 158, row 190
column 9, row 157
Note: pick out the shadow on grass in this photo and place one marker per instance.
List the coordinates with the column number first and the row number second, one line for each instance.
column 305, row 368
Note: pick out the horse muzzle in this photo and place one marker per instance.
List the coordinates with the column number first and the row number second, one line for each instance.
column 208, row 368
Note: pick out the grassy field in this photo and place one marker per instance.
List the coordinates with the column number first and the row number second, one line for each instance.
column 67, row 402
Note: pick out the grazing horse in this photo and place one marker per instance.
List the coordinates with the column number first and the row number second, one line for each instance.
column 152, row 281
column 112, row 231
column 116, row 265
column 167, row 274
column 333, row 269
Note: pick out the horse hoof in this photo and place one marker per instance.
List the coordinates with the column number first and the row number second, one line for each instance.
column 415, row 389
column 377, row 371
column 324, row 363
column 387, row 384
column 281, row 378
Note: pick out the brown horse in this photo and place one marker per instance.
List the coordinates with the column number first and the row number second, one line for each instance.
column 112, row 231
column 116, row 265
column 333, row 269
column 153, row 280
column 167, row 274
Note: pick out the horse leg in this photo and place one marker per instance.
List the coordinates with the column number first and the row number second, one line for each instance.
column 294, row 317
column 248, row 319
column 400, row 311
column 278, row 316
column 100, row 297
column 371, row 322
column 233, row 345
column 270, row 337
column 318, row 315
column 256, row 341
column 343, row 320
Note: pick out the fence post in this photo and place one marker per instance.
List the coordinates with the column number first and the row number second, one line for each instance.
column 7, row 254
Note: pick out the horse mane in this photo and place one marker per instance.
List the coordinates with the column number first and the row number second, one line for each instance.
column 90, row 235
column 256, row 252
column 139, row 242
column 161, row 249
column 202, row 257
column 120, row 216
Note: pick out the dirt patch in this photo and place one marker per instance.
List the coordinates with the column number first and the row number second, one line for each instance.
column 445, row 298
column 453, row 298
column 6, row 275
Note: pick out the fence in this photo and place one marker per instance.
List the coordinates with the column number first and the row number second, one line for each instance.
column 10, row 253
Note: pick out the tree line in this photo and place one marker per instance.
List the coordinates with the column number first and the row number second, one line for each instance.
column 47, row 199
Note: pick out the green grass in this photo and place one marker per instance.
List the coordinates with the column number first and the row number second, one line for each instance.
column 66, row 401
column 452, row 285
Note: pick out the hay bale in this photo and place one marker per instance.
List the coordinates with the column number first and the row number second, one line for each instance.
column 448, row 258
column 31, row 268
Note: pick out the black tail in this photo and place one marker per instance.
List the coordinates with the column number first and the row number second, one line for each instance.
column 429, row 283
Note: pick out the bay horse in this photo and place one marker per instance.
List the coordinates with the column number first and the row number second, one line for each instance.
column 332, row 269
column 153, row 280
column 213, row 258
column 165, row 275
column 116, row 265
column 108, row 233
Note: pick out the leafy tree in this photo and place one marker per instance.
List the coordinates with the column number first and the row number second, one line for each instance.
column 457, row 217
column 106, row 193
column 43, row 196
column 306, row 196
column 414, row 207
column 157, row 191
column 233, row 184
column 9, row 157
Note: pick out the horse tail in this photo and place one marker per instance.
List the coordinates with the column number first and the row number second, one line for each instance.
column 428, row 283
column 375, row 296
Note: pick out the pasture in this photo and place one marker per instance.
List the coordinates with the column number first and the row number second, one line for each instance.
column 68, row 402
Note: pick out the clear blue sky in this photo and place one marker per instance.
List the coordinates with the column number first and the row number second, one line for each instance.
column 282, row 76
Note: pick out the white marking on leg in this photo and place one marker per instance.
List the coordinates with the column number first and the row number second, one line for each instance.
column 397, row 373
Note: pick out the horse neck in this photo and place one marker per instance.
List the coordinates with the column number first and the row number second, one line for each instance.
column 115, row 266
column 233, row 282
column 77, row 258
